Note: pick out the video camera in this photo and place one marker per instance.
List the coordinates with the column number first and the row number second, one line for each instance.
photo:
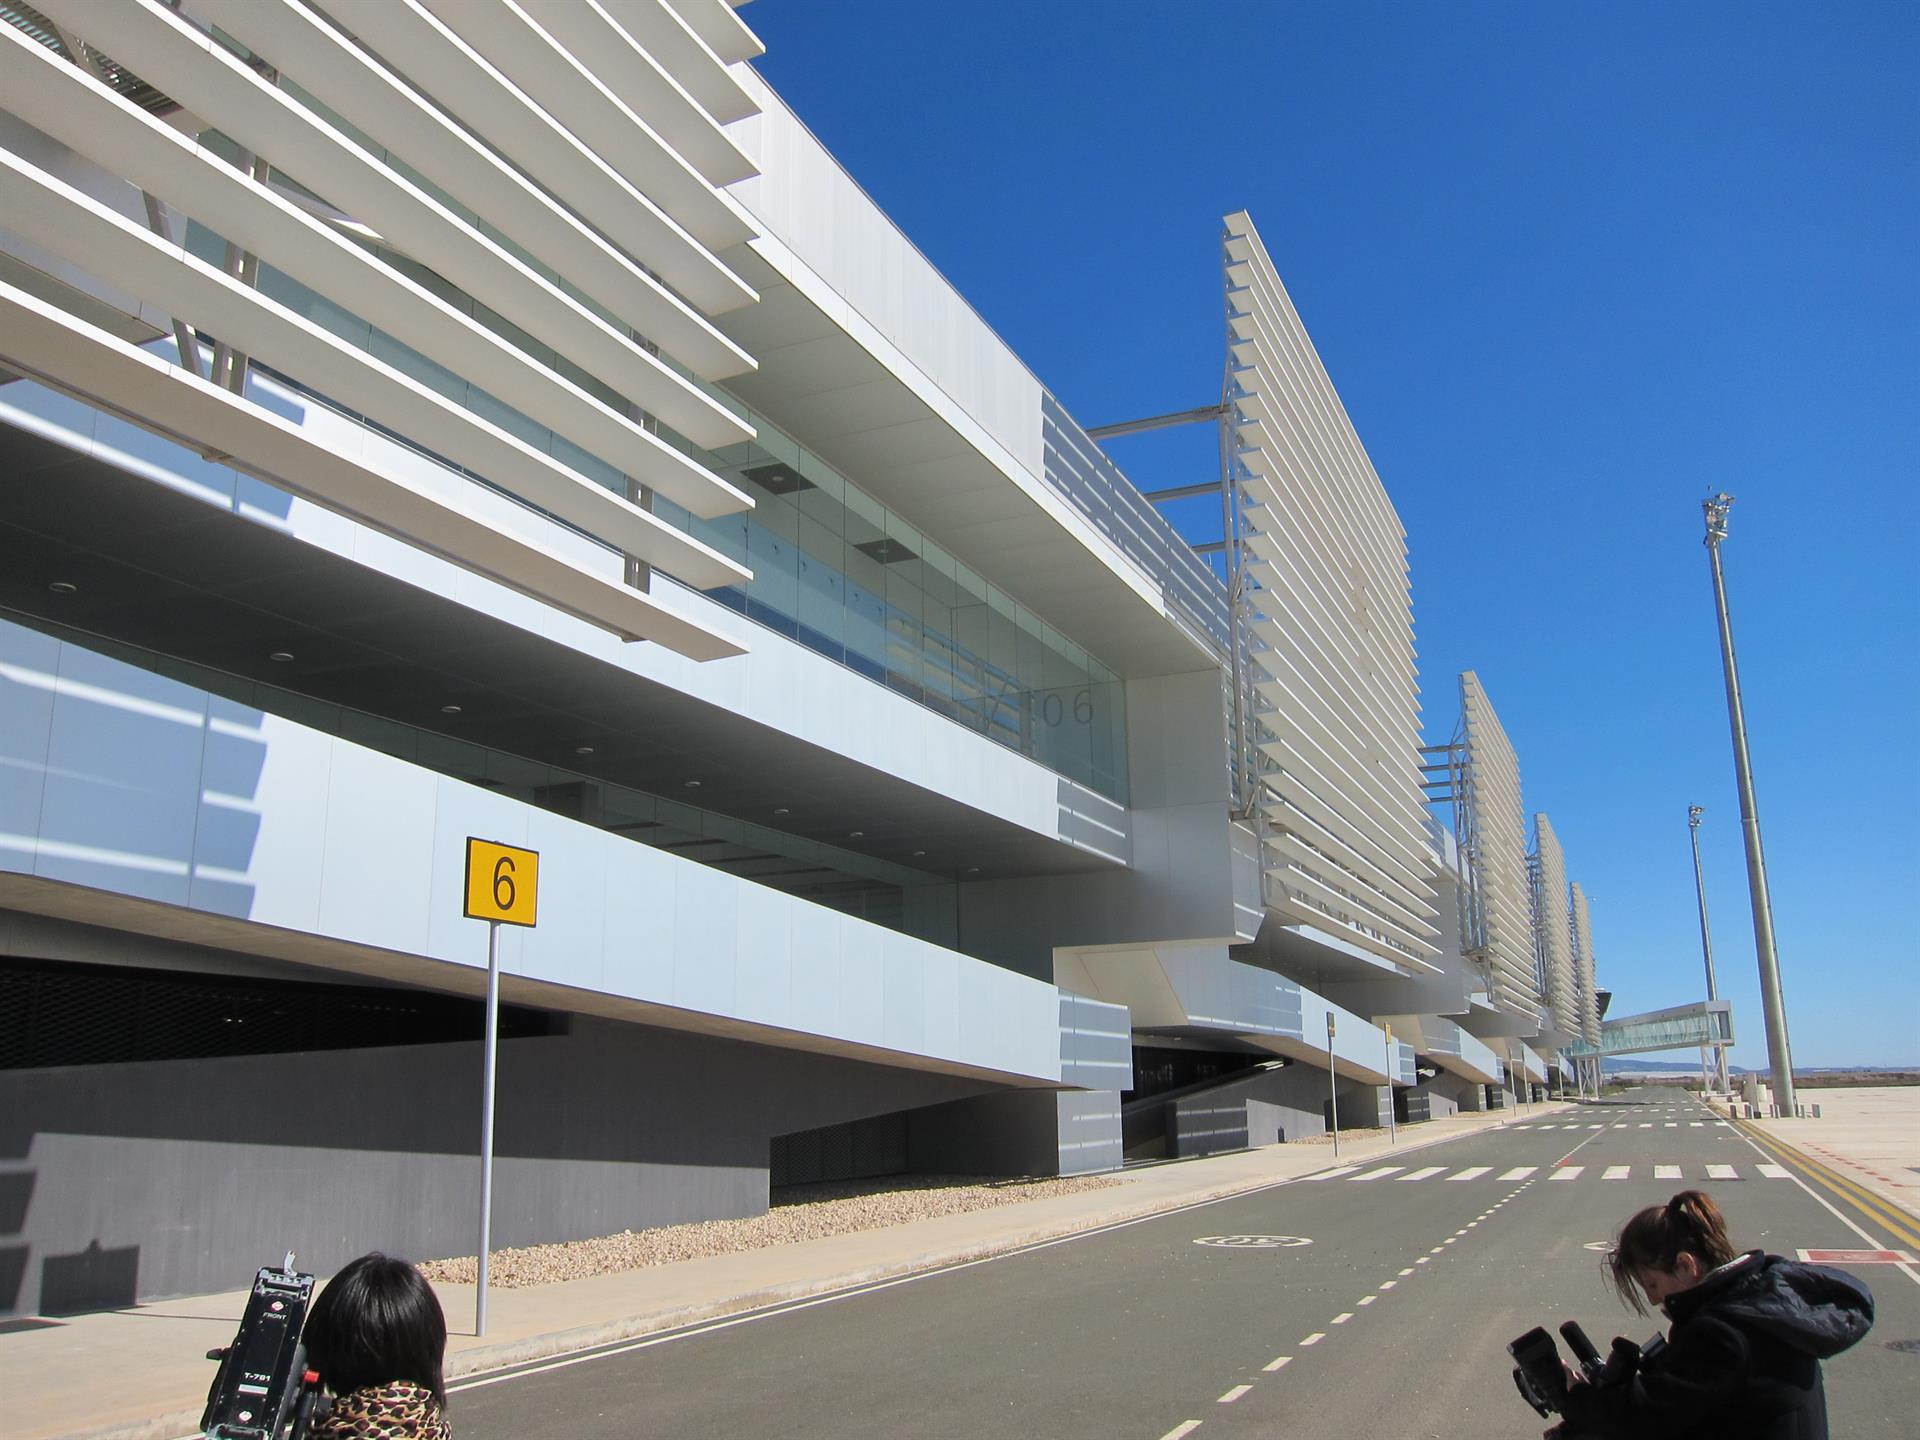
column 264, row 1390
column 1542, row 1380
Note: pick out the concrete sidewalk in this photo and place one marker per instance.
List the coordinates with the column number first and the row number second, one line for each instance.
column 140, row 1373
column 1867, row 1134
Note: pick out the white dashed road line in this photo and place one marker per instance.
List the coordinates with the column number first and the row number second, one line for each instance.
column 1234, row 1394
column 1279, row 1362
column 1315, row 1338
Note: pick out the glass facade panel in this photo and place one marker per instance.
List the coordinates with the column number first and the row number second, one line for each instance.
column 840, row 573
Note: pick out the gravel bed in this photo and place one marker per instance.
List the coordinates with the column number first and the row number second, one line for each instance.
column 1347, row 1132
column 800, row 1212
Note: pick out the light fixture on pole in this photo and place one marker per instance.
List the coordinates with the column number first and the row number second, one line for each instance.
column 1719, row 1053
column 1779, row 1053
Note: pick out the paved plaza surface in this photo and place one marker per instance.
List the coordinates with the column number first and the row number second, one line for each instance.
column 1210, row 1317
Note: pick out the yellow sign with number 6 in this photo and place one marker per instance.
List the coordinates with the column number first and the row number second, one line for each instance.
column 503, row 883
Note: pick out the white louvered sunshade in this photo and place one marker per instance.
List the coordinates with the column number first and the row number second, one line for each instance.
column 1332, row 636
column 1552, row 928
column 1585, row 977
column 493, row 231
column 1496, row 854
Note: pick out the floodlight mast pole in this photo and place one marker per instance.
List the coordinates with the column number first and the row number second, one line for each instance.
column 1694, row 812
column 1779, row 1054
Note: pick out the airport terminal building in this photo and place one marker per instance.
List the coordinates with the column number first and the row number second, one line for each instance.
column 434, row 420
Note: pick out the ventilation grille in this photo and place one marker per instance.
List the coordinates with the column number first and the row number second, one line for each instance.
column 52, row 1014
column 117, row 78
column 857, row 1150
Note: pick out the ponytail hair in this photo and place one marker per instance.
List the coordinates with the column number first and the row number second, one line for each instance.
column 1655, row 1239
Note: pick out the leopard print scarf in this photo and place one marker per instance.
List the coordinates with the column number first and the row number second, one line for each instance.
column 398, row 1411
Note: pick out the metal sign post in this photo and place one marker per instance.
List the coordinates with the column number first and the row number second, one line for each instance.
column 1333, row 1093
column 1393, row 1131
column 503, row 888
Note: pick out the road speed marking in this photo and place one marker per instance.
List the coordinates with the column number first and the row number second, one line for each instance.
column 1254, row 1242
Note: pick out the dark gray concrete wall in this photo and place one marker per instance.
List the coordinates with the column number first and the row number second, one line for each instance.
column 136, row 1181
column 1262, row 1107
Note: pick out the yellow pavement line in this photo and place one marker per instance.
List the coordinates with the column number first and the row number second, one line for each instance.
column 1876, row 1207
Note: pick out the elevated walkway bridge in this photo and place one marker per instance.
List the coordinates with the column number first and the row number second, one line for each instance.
column 1703, row 1023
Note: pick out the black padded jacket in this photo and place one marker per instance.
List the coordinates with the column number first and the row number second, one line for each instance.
column 1742, row 1358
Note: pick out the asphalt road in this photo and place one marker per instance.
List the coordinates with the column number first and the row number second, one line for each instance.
column 1392, row 1322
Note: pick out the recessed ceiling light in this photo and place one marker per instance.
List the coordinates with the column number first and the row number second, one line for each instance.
column 973, row 870
column 783, row 811
column 855, row 834
column 918, row 853
column 583, row 749
column 63, row 587
column 693, row 784
column 281, row 657
column 449, row 709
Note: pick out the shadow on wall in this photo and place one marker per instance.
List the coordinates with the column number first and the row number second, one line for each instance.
column 1093, row 822
column 123, row 780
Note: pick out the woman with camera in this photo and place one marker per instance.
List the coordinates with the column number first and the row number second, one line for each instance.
column 378, row 1339
column 1742, row 1355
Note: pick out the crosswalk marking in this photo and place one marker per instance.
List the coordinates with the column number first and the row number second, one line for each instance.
column 1673, row 1124
column 1335, row 1173
column 1596, row 1127
column 1715, row 1171
column 1646, row 1124
column 1696, row 1124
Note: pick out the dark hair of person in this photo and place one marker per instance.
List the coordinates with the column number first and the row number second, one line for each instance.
column 377, row 1322
column 1655, row 1239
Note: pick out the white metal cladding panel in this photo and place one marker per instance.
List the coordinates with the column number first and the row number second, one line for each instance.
column 154, row 789
column 1585, row 968
column 1550, row 920
column 1498, row 864
column 344, row 76
column 807, row 203
column 1335, row 633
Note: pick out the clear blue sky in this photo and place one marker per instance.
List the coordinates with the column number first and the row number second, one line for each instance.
column 1569, row 266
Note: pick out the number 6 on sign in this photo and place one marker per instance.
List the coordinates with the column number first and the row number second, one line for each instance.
column 503, row 883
